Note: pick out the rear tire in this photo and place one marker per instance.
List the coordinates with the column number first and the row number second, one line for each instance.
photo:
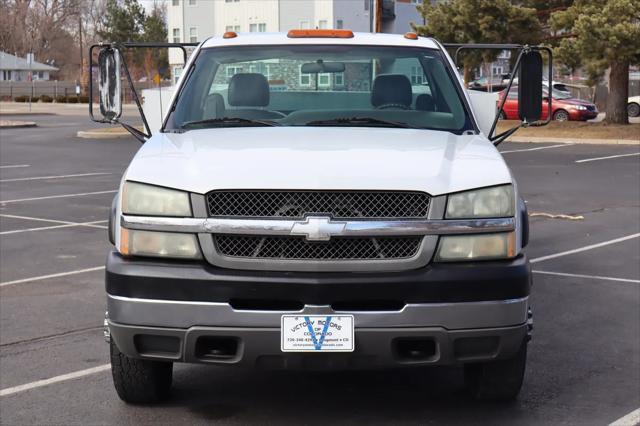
column 561, row 115
column 633, row 109
column 140, row 381
column 497, row 380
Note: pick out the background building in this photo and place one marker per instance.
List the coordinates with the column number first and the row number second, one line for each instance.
column 195, row 20
column 13, row 68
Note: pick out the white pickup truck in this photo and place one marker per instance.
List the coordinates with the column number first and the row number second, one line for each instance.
column 319, row 199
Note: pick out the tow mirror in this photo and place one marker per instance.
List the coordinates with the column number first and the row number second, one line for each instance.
column 530, row 87
column 109, row 83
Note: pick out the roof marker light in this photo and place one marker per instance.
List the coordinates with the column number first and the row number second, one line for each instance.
column 411, row 35
column 320, row 34
column 230, row 34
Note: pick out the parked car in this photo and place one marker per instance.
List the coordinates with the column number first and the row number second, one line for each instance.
column 370, row 226
column 633, row 106
column 564, row 107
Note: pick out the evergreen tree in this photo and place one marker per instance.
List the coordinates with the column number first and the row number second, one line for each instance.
column 479, row 21
column 601, row 35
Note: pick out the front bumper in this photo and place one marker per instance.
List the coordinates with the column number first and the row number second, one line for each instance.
column 582, row 115
column 440, row 314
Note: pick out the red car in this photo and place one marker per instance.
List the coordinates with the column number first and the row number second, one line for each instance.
column 563, row 107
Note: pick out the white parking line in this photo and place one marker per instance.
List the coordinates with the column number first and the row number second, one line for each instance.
column 14, row 166
column 537, row 148
column 56, row 379
column 81, row 194
column 631, row 419
column 93, row 224
column 593, row 277
column 586, row 160
column 53, row 177
column 585, row 248
column 46, row 277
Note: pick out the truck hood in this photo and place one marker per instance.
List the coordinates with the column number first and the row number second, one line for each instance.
column 319, row 158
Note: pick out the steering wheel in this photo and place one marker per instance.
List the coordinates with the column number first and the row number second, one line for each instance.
column 392, row 105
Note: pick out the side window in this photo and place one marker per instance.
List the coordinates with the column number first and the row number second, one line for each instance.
column 260, row 68
column 233, row 70
column 305, row 79
column 417, row 75
column 324, row 80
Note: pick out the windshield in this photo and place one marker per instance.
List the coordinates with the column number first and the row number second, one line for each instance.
column 558, row 94
column 316, row 85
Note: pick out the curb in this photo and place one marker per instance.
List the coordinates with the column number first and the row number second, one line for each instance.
column 17, row 124
column 4, row 113
column 524, row 139
column 98, row 134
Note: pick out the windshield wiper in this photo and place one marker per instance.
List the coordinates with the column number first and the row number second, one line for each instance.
column 359, row 121
column 222, row 121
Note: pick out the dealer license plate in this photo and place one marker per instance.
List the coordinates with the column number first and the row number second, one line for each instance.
column 317, row 333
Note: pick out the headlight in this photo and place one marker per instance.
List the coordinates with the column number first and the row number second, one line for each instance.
column 158, row 244
column 497, row 201
column 476, row 247
column 148, row 200
column 580, row 107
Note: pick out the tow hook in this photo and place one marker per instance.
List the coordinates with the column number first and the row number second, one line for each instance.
column 106, row 331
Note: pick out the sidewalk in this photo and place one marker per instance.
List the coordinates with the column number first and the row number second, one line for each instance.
column 41, row 108
column 13, row 124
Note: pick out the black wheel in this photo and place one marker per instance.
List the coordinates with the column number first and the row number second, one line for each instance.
column 140, row 381
column 633, row 109
column 497, row 380
column 561, row 115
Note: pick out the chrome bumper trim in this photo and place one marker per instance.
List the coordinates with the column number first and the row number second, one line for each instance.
column 352, row 228
column 181, row 314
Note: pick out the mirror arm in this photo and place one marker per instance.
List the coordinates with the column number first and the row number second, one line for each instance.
column 506, row 91
column 140, row 136
column 136, row 99
column 498, row 139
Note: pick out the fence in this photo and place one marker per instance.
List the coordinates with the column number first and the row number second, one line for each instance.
column 9, row 90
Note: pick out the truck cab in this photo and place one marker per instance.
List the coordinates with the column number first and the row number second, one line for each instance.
column 319, row 200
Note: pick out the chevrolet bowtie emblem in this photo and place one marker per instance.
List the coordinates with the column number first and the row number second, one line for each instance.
column 318, row 228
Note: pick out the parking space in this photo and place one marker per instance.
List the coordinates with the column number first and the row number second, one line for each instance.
column 584, row 358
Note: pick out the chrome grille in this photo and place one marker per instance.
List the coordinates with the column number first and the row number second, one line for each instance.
column 337, row 204
column 298, row 248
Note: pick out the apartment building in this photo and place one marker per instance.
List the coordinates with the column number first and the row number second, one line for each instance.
column 195, row 20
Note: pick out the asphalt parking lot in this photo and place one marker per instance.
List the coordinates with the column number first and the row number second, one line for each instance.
column 584, row 360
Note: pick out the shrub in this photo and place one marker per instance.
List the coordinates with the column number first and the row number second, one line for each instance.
column 20, row 99
column 34, row 99
column 61, row 99
column 72, row 100
column 46, row 98
column 83, row 99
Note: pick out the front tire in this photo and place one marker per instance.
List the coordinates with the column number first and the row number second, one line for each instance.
column 140, row 381
column 497, row 380
column 633, row 109
column 561, row 115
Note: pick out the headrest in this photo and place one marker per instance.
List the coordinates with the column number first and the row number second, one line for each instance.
column 249, row 89
column 391, row 89
column 214, row 106
column 425, row 102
